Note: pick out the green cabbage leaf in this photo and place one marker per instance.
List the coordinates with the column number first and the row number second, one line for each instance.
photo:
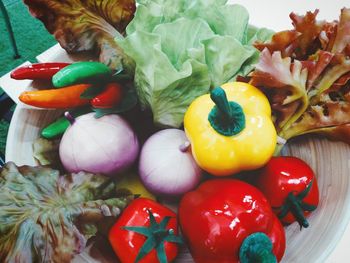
column 183, row 48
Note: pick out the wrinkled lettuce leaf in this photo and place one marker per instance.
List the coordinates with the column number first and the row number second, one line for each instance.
column 46, row 152
column 284, row 42
column 88, row 25
column 310, row 29
column 183, row 48
column 320, row 51
column 48, row 217
column 286, row 84
column 342, row 39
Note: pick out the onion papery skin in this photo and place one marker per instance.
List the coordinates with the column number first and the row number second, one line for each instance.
column 164, row 168
column 106, row 145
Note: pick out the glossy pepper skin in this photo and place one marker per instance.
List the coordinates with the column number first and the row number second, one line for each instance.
column 252, row 145
column 127, row 244
column 38, row 71
column 58, row 127
column 81, row 72
column 221, row 214
column 110, row 97
column 290, row 186
column 68, row 97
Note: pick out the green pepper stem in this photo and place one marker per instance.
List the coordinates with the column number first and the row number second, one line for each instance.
column 257, row 247
column 219, row 97
column 156, row 234
column 297, row 211
column 226, row 117
column 296, row 205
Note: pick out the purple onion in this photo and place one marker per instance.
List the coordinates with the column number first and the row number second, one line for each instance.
column 167, row 166
column 106, row 145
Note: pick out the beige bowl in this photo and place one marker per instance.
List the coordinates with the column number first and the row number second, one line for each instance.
column 330, row 161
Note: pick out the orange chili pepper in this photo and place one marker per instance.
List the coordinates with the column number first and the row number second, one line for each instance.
column 67, row 97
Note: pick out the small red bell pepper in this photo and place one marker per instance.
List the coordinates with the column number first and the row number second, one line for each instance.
column 38, row 71
column 111, row 96
column 146, row 232
column 290, row 186
column 68, row 97
column 230, row 221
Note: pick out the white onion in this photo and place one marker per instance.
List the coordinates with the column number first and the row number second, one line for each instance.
column 106, row 145
column 167, row 166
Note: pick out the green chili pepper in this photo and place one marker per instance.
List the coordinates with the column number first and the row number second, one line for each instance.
column 58, row 127
column 81, row 72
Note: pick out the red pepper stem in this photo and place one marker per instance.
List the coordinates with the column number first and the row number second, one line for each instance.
column 297, row 211
column 295, row 204
column 156, row 234
column 69, row 117
column 185, row 146
column 257, row 247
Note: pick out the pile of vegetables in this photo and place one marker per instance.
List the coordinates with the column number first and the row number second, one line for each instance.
column 74, row 85
column 170, row 119
column 194, row 46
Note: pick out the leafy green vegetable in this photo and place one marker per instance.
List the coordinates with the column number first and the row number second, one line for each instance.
column 183, row 48
column 305, row 73
column 46, row 152
column 87, row 25
column 46, row 217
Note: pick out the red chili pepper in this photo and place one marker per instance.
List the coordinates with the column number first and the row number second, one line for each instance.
column 38, row 71
column 230, row 221
column 290, row 186
column 110, row 97
column 146, row 232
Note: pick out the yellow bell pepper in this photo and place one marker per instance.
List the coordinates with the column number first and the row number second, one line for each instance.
column 231, row 129
column 132, row 183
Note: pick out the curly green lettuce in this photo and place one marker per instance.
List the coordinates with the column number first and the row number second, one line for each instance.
column 48, row 217
column 183, row 48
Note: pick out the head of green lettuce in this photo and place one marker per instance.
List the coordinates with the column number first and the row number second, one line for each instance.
column 183, row 48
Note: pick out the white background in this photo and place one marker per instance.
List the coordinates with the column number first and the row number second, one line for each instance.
column 274, row 14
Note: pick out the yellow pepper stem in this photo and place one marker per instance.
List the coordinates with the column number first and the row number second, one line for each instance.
column 226, row 117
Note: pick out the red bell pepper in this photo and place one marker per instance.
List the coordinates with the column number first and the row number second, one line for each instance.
column 38, row 71
column 111, row 96
column 290, row 186
column 146, row 232
column 230, row 221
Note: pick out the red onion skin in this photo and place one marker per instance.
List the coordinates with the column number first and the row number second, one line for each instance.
column 106, row 145
column 172, row 181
